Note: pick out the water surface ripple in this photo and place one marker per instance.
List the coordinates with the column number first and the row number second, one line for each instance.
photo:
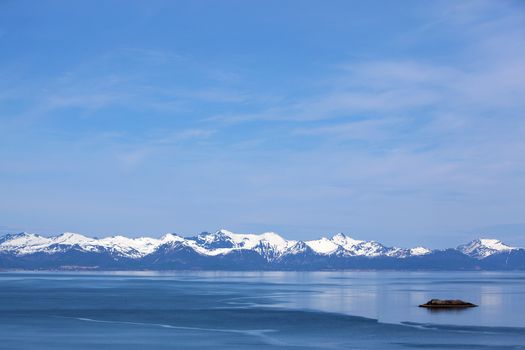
column 259, row 310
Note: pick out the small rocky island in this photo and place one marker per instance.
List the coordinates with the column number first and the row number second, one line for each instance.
column 447, row 304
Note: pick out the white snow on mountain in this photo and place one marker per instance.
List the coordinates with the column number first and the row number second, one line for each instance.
column 24, row 243
column 132, row 247
column 71, row 238
column 343, row 245
column 170, row 238
column 323, row 246
column 420, row 251
column 250, row 241
column 29, row 243
column 269, row 245
column 483, row 247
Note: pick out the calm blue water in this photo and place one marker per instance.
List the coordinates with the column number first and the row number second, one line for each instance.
column 256, row 310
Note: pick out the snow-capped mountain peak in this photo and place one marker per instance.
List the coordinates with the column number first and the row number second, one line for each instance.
column 276, row 241
column 130, row 247
column 226, row 245
column 72, row 238
column 345, row 241
column 248, row 240
column 420, row 251
column 322, row 245
column 483, row 247
column 268, row 244
column 170, row 238
column 23, row 242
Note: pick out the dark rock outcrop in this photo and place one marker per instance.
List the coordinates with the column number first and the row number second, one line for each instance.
column 447, row 304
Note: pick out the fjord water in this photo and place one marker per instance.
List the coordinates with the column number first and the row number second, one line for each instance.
column 259, row 310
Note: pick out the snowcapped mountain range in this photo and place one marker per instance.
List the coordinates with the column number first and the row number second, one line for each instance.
column 233, row 251
column 483, row 247
column 269, row 245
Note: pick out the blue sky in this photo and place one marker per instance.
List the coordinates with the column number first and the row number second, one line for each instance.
column 401, row 122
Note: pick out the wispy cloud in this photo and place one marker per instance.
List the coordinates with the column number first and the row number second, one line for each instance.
column 418, row 129
column 358, row 130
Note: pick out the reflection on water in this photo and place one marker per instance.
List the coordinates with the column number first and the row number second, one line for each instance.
column 391, row 297
column 491, row 296
column 394, row 297
column 256, row 310
column 450, row 312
